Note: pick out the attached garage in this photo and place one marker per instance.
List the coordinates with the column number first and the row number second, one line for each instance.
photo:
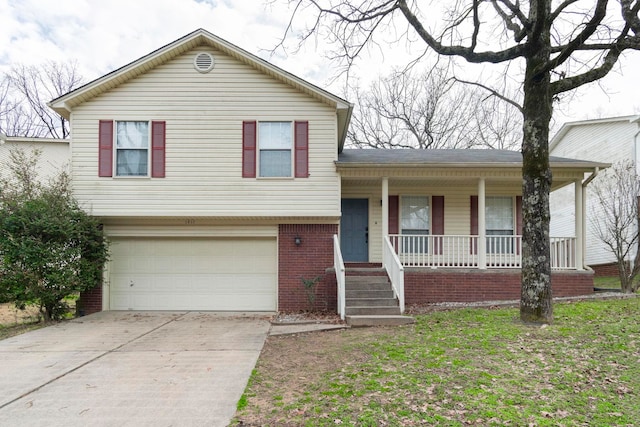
column 226, row 274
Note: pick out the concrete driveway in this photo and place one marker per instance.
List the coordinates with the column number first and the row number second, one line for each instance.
column 130, row 369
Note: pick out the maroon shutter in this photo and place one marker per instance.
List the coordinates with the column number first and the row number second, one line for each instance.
column 518, row 221
column 157, row 149
column 105, row 148
column 249, row 149
column 437, row 221
column 394, row 214
column 474, row 223
column 519, row 215
column 302, row 149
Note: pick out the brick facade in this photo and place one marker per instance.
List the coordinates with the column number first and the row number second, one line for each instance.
column 310, row 259
column 605, row 270
column 90, row 301
column 424, row 286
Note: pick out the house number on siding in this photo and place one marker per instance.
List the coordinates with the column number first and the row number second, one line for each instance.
column 189, row 221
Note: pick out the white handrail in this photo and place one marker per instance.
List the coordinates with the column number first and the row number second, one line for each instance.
column 394, row 269
column 461, row 251
column 338, row 265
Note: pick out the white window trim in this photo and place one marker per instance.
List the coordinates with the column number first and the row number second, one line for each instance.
column 292, row 150
column 115, row 150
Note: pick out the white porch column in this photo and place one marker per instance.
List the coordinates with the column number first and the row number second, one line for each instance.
column 580, row 233
column 482, row 227
column 385, row 207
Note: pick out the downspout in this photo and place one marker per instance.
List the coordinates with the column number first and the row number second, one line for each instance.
column 584, row 212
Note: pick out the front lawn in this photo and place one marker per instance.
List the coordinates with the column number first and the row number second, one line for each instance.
column 462, row 367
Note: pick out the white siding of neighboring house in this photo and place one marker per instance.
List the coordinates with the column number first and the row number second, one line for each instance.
column 608, row 142
column 54, row 157
column 204, row 115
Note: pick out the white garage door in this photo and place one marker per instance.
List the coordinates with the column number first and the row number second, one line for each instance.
column 193, row 274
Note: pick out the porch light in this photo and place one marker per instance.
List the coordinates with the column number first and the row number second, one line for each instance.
column 297, row 240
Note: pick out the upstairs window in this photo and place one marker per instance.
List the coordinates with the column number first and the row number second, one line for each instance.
column 134, row 144
column 132, row 148
column 275, row 149
column 275, row 143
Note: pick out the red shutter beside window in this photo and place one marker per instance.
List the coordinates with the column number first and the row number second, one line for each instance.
column 437, row 221
column 157, row 149
column 518, row 221
column 105, row 148
column 249, row 149
column 301, row 149
column 394, row 214
column 474, row 223
column 519, row 215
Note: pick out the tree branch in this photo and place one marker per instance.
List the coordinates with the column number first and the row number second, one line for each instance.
column 589, row 28
column 493, row 92
column 465, row 52
column 519, row 32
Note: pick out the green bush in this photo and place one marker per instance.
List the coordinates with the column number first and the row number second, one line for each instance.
column 50, row 248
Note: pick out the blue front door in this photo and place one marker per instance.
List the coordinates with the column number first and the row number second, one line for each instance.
column 354, row 230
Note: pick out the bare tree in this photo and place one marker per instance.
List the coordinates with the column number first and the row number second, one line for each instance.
column 615, row 219
column 431, row 110
column 561, row 45
column 24, row 93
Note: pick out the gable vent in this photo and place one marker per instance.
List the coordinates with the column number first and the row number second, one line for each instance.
column 203, row 62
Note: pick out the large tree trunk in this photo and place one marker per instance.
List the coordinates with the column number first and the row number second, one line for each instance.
column 536, row 299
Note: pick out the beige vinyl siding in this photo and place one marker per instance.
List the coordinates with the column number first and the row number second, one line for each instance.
column 204, row 115
column 457, row 205
column 602, row 142
column 54, row 155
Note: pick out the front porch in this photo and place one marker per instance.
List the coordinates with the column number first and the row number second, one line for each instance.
column 446, row 225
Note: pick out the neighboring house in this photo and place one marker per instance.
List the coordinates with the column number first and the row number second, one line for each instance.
column 54, row 153
column 222, row 183
column 607, row 140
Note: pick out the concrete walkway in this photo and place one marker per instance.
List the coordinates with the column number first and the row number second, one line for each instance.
column 130, row 369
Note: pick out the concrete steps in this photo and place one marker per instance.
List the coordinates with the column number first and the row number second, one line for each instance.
column 370, row 300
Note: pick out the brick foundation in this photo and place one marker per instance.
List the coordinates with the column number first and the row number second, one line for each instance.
column 310, row 259
column 605, row 270
column 90, row 301
column 424, row 286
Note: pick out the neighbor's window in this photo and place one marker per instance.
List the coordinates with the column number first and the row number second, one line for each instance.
column 414, row 220
column 499, row 221
column 275, row 142
column 132, row 148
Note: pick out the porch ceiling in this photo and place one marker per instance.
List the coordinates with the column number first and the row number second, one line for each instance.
column 497, row 179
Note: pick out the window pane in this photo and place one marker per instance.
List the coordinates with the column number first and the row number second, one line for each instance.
column 499, row 214
column 131, row 163
column 132, row 148
column 275, row 163
column 415, row 214
column 132, row 135
column 275, row 135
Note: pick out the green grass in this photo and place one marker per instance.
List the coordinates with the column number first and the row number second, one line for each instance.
column 464, row 367
column 606, row 282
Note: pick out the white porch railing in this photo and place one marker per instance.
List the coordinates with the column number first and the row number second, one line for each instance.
column 395, row 270
column 460, row 251
column 338, row 265
column 563, row 253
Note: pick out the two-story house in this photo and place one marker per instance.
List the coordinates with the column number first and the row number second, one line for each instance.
column 610, row 140
column 222, row 184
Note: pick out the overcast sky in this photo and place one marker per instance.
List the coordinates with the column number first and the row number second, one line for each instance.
column 103, row 35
